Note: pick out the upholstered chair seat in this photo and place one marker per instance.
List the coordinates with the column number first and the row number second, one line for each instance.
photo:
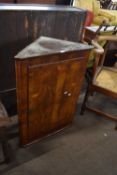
column 107, row 79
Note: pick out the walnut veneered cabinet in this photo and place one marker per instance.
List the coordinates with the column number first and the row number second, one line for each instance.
column 49, row 75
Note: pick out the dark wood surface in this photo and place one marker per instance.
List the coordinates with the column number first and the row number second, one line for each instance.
column 48, row 87
column 7, row 1
column 62, row 2
column 37, row 1
column 19, row 28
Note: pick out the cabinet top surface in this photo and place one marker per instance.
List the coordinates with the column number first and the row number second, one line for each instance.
column 46, row 46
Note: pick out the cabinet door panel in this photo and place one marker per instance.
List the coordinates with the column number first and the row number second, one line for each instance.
column 45, row 90
column 71, row 90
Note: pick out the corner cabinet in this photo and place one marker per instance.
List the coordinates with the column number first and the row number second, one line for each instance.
column 49, row 75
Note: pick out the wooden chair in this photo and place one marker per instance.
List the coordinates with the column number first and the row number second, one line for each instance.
column 112, row 5
column 6, row 123
column 104, row 79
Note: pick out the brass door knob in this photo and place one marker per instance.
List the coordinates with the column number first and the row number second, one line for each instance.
column 66, row 92
column 69, row 94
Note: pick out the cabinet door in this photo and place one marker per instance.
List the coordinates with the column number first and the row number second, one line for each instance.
column 45, row 89
column 52, row 93
column 71, row 91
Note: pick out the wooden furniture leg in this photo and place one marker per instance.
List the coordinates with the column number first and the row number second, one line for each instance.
column 5, row 145
column 88, row 92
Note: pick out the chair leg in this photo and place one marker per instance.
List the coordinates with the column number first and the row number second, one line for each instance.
column 83, row 107
column 5, row 145
column 116, row 127
column 88, row 75
column 6, row 151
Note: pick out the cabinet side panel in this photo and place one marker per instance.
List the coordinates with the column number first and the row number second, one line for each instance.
column 22, row 100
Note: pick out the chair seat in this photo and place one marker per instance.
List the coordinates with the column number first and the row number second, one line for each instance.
column 107, row 79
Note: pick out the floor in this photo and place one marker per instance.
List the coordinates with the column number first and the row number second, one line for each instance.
column 88, row 147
